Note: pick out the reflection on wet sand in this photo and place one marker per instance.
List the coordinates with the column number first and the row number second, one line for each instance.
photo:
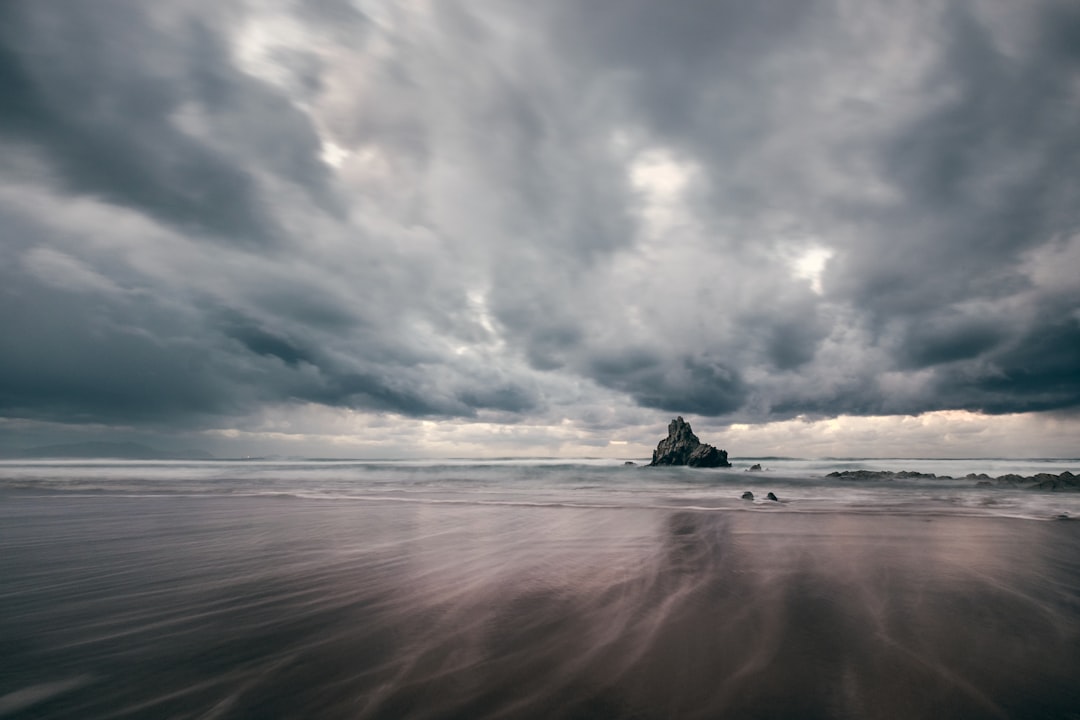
column 151, row 607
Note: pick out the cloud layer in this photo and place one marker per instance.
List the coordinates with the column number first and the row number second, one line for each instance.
column 528, row 213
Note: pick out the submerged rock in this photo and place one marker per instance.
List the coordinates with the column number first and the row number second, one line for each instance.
column 629, row 462
column 1065, row 481
column 885, row 475
column 682, row 447
column 772, row 497
column 748, row 495
column 756, row 467
column 1048, row 481
column 861, row 475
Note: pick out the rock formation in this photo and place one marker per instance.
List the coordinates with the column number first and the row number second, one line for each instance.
column 1049, row 481
column 748, row 495
column 1065, row 481
column 681, row 447
column 885, row 475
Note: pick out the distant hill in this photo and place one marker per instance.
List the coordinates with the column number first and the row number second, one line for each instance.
column 106, row 450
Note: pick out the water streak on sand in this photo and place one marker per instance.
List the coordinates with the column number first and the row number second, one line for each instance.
column 255, row 594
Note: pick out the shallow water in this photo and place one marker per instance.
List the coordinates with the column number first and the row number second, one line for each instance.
column 801, row 485
column 188, row 593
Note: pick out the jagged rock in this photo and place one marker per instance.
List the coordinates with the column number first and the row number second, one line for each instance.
column 1066, row 480
column 682, row 447
column 772, row 497
column 707, row 456
column 756, row 467
column 885, row 475
column 908, row 474
column 861, row 475
column 748, row 495
column 1048, row 481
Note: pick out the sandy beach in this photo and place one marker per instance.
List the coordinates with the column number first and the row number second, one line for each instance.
column 285, row 607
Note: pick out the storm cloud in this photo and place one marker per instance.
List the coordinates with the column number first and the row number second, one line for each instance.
column 534, row 213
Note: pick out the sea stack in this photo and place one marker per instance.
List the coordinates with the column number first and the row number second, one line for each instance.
column 681, row 447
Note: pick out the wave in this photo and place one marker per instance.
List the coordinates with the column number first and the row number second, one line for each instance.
column 802, row 485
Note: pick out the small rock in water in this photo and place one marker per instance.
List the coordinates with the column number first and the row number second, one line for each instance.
column 748, row 495
column 629, row 462
column 756, row 467
column 772, row 497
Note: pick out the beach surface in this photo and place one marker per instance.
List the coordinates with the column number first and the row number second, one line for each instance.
column 118, row 605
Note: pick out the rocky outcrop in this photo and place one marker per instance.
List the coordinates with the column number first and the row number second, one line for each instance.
column 885, row 475
column 1049, row 481
column 1065, row 481
column 681, row 447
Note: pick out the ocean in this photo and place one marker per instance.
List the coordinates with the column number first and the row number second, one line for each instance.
column 535, row 588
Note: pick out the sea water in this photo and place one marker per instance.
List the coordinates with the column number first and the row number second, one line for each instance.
column 534, row 589
column 801, row 485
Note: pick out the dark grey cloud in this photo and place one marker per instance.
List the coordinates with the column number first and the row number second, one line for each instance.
column 265, row 343
column 103, row 94
column 534, row 212
column 699, row 385
column 71, row 358
column 986, row 172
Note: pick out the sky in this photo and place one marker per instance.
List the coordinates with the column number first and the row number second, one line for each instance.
column 447, row 228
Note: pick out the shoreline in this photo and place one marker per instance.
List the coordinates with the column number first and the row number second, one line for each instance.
column 390, row 610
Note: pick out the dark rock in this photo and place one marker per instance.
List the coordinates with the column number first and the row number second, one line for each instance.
column 1048, row 481
column 707, row 456
column 756, row 467
column 861, row 475
column 885, row 475
column 1010, row 479
column 772, row 497
column 909, row 474
column 681, row 447
column 629, row 462
column 1065, row 481
column 748, row 495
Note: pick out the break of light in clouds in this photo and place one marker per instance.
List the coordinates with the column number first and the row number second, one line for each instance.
column 454, row 228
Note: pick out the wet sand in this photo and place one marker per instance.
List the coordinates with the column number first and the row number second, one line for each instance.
column 219, row 607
